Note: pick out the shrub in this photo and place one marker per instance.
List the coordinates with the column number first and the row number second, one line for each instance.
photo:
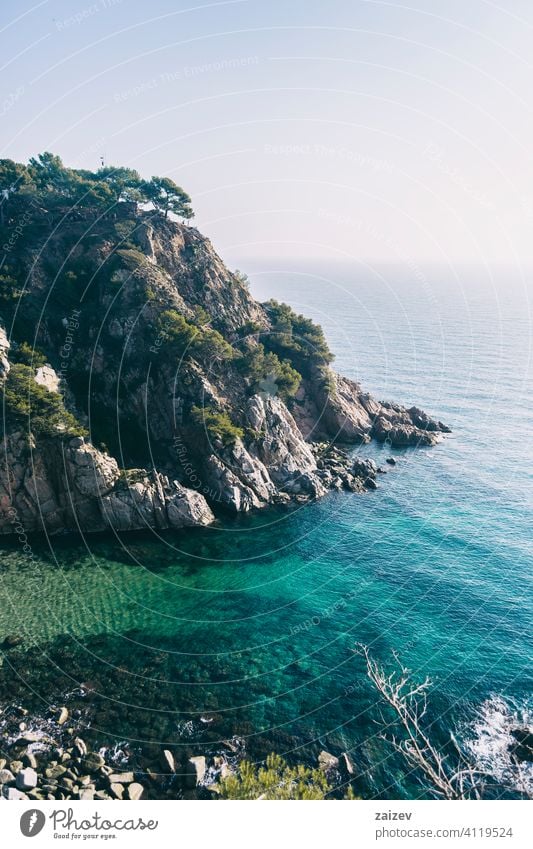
column 268, row 373
column 201, row 343
column 131, row 257
column 243, row 278
column 10, row 288
column 41, row 411
column 201, row 316
column 275, row 780
column 211, row 345
column 296, row 338
column 249, row 328
column 217, row 424
column 178, row 331
column 26, row 355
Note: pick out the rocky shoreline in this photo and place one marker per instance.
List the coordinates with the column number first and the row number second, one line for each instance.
column 54, row 762
column 48, row 759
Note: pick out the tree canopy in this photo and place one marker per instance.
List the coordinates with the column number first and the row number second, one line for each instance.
column 48, row 183
column 166, row 196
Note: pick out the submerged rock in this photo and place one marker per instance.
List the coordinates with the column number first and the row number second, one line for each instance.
column 26, row 779
column 523, row 748
column 11, row 641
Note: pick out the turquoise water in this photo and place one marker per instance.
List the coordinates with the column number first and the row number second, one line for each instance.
column 249, row 628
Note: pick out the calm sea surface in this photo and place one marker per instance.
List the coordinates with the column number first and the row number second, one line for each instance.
column 249, row 628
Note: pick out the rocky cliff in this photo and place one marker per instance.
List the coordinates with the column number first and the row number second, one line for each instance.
column 145, row 387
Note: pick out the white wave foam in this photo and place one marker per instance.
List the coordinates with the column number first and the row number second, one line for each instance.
column 492, row 744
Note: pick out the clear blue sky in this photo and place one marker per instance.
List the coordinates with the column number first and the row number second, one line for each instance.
column 343, row 128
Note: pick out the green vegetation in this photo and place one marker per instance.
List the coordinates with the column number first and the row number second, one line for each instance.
column 10, row 289
column 26, row 355
column 122, row 184
column 198, row 342
column 250, row 328
column 15, row 182
column 34, row 407
column 268, row 373
column 128, row 477
column 167, row 197
column 131, row 257
column 243, row 278
column 297, row 339
column 178, row 332
column 46, row 183
column 217, row 424
column 210, row 345
column 276, row 780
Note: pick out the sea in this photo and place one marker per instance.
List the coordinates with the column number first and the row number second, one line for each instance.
column 250, row 631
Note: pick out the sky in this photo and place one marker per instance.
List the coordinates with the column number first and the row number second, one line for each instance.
column 383, row 131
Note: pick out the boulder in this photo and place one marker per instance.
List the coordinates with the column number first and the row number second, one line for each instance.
column 346, row 762
column 154, row 502
column 11, row 641
column 55, row 772
column 62, row 716
column 80, row 747
column 30, row 760
column 327, row 762
column 93, row 761
column 121, row 777
column 135, row 791
column 6, row 776
column 87, row 794
column 47, row 377
column 523, row 747
column 12, row 794
column 116, row 790
column 168, row 760
column 197, row 774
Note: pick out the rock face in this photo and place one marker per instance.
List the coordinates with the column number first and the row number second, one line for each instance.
column 71, row 484
column 137, row 378
column 347, row 414
column 282, row 448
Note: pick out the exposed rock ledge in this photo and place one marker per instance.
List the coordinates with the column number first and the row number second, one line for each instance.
column 69, row 484
column 72, row 485
column 350, row 415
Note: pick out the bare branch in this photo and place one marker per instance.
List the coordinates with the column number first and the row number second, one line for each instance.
column 408, row 700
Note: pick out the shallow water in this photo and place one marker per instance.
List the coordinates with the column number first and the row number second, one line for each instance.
column 253, row 623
